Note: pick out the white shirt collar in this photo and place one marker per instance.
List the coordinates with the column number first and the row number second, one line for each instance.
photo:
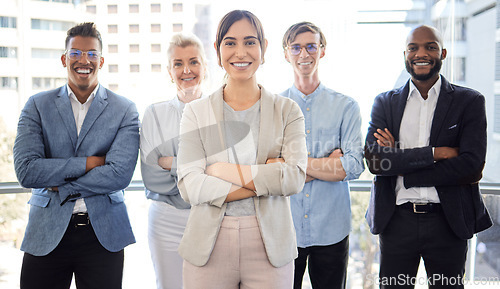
column 433, row 92
column 72, row 95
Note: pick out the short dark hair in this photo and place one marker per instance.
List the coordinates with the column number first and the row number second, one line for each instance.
column 229, row 19
column 299, row 28
column 86, row 29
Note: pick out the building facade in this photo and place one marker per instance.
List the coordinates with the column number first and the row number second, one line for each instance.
column 32, row 37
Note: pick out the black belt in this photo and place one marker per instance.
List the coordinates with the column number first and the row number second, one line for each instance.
column 422, row 208
column 79, row 220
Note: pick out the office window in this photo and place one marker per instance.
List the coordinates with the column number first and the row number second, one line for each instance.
column 134, row 67
column 133, row 28
column 8, row 22
column 155, row 27
column 112, row 9
column 155, row 67
column 44, row 83
column 496, row 114
column 92, row 9
column 454, row 68
column 133, row 8
column 51, row 25
column 460, row 29
column 177, row 27
column 113, row 68
column 8, row 83
column 134, row 47
column 113, row 48
column 459, row 68
column 42, row 53
column 177, row 7
column 36, row 83
column 8, row 52
column 56, row 1
column 112, row 28
column 155, row 8
column 155, row 47
column 497, row 59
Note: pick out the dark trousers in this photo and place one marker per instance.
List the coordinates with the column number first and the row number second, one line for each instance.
column 78, row 253
column 410, row 236
column 327, row 265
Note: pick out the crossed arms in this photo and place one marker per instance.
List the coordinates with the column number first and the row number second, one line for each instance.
column 203, row 183
column 42, row 162
column 456, row 164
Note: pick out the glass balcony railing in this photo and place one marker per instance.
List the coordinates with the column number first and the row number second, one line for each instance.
column 482, row 269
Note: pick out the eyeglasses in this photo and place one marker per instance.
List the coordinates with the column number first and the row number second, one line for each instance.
column 75, row 54
column 311, row 48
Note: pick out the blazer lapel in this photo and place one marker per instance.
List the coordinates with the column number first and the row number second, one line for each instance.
column 442, row 107
column 63, row 106
column 266, row 131
column 398, row 110
column 217, row 103
column 96, row 108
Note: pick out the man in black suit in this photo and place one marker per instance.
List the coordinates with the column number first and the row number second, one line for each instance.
column 426, row 144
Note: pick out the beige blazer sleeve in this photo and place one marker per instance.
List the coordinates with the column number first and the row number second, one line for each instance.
column 200, row 144
column 289, row 143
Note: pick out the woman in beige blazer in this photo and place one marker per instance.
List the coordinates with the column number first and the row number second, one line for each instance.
column 242, row 152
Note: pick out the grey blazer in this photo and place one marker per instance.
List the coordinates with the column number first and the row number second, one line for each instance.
column 202, row 143
column 48, row 152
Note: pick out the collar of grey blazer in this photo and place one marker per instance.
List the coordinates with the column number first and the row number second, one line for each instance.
column 100, row 93
column 63, row 105
column 266, row 117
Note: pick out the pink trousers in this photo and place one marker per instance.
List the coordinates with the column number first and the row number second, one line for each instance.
column 238, row 261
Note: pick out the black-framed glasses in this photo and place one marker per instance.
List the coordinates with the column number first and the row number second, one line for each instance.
column 75, row 54
column 311, row 48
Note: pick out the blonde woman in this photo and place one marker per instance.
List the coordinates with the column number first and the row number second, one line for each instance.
column 168, row 213
column 242, row 152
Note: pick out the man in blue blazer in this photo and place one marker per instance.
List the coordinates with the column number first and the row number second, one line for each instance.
column 77, row 148
column 426, row 144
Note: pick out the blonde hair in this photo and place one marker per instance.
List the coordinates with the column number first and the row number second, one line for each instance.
column 184, row 40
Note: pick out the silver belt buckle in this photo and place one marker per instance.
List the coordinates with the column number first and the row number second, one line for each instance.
column 415, row 205
column 82, row 224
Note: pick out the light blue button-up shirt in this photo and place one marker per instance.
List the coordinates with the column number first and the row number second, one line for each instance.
column 322, row 211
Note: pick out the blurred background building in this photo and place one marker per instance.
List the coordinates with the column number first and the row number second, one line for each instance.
column 366, row 40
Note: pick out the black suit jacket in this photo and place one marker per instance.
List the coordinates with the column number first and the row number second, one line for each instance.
column 459, row 121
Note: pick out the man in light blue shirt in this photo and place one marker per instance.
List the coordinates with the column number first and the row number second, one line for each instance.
column 322, row 211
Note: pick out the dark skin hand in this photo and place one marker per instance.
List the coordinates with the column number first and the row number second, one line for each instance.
column 92, row 162
column 386, row 139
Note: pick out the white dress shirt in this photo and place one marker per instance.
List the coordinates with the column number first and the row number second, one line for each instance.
column 415, row 131
column 80, row 111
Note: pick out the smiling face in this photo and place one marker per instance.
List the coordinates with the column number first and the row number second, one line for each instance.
column 424, row 54
column 82, row 73
column 186, row 67
column 240, row 52
column 305, row 64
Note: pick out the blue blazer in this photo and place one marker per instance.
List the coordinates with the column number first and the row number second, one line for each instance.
column 48, row 152
column 459, row 121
